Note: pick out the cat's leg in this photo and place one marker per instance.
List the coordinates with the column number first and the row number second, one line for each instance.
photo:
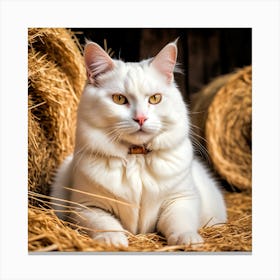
column 105, row 227
column 213, row 208
column 179, row 221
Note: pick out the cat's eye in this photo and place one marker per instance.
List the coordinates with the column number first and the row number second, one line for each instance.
column 119, row 99
column 155, row 99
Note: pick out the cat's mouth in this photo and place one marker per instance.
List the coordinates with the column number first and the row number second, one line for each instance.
column 141, row 131
column 138, row 133
column 141, row 135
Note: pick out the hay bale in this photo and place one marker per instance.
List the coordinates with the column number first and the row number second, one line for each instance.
column 56, row 77
column 222, row 116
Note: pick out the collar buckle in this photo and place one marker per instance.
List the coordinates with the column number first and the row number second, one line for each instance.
column 138, row 150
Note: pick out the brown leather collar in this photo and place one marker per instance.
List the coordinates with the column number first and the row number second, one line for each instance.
column 138, row 150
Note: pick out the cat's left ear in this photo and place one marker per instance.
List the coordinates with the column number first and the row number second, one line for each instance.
column 165, row 61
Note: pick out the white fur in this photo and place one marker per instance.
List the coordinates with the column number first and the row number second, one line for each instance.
column 168, row 190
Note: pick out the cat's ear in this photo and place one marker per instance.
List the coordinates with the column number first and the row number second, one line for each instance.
column 97, row 61
column 165, row 61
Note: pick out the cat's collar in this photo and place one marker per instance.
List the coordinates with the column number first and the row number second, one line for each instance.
column 138, row 150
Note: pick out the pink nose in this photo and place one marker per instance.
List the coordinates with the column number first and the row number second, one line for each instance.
column 140, row 119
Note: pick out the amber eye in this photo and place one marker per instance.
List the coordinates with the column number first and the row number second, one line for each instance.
column 119, row 99
column 155, row 99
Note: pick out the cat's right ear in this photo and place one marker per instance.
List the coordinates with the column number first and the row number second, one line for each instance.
column 97, row 61
column 165, row 61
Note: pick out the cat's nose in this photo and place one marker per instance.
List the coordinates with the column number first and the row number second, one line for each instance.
column 140, row 119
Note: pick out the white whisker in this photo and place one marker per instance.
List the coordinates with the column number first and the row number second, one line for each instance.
column 195, row 135
column 197, row 112
column 201, row 149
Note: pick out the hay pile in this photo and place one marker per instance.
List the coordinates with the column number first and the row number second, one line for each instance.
column 222, row 118
column 56, row 77
column 48, row 233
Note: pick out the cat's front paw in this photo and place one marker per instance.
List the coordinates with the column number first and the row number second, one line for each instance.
column 117, row 239
column 185, row 238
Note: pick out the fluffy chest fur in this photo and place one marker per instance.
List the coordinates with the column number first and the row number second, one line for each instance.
column 145, row 182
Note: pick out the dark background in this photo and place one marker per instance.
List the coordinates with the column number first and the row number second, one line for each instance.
column 204, row 53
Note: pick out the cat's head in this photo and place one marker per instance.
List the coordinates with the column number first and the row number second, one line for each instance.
column 131, row 102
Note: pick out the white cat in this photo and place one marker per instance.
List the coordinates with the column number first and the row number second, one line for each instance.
column 133, row 145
